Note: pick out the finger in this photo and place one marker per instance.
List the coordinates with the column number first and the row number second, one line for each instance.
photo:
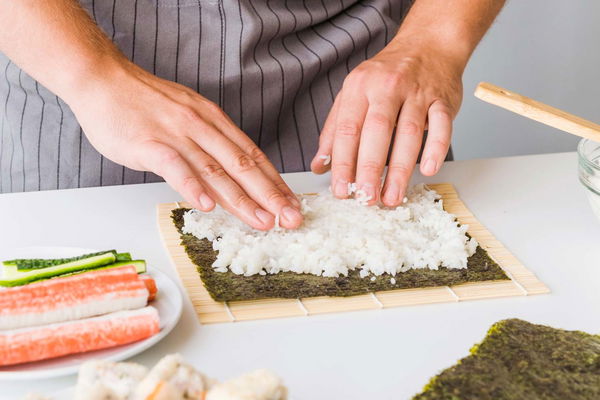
column 321, row 163
column 257, row 195
column 348, row 125
column 225, row 190
column 244, row 170
column 168, row 163
column 438, row 138
column 375, row 141
column 405, row 151
column 267, row 168
column 236, row 135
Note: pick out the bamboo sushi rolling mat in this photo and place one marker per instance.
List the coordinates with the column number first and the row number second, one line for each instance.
column 522, row 281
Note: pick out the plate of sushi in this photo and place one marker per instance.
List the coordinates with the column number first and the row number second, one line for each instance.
column 172, row 378
column 62, row 306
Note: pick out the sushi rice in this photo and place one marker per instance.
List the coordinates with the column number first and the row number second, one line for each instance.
column 338, row 236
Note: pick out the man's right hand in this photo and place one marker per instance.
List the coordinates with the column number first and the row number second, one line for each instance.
column 141, row 121
column 150, row 124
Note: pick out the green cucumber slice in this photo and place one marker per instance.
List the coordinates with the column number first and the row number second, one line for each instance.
column 12, row 276
column 124, row 257
column 140, row 267
column 35, row 263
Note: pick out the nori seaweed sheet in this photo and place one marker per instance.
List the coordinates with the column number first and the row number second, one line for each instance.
column 518, row 360
column 227, row 286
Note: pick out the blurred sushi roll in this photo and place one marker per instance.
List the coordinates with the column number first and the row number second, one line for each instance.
column 35, row 396
column 170, row 379
column 173, row 379
column 257, row 385
column 105, row 380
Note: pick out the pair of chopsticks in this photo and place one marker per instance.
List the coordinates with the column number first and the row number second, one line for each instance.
column 538, row 111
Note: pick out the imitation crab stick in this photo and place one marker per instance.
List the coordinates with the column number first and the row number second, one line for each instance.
column 150, row 285
column 74, row 297
column 39, row 343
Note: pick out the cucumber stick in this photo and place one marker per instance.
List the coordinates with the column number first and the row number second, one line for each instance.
column 140, row 267
column 25, row 264
column 34, row 263
column 124, row 257
column 12, row 276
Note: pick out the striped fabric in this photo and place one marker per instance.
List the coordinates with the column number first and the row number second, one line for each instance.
column 274, row 66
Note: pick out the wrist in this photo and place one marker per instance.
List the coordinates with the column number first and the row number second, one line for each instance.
column 88, row 76
column 454, row 52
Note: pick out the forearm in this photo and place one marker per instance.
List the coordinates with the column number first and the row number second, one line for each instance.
column 454, row 28
column 57, row 43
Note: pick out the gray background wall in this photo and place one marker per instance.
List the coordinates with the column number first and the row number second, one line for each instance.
column 545, row 49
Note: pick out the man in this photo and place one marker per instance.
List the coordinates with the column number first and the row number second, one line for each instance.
column 191, row 90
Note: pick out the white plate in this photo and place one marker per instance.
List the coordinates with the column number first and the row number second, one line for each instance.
column 69, row 394
column 168, row 302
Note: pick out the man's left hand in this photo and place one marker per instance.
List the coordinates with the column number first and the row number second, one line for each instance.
column 408, row 86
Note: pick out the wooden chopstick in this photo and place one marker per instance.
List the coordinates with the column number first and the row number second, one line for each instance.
column 537, row 111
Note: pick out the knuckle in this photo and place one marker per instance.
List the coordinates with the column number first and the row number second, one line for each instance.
column 185, row 91
column 370, row 166
column 359, row 72
column 356, row 77
column 274, row 197
column 257, row 155
column 342, row 164
column 399, row 169
column 188, row 114
column 410, row 63
column 243, row 162
column 213, row 108
column 441, row 111
column 380, row 120
column 283, row 188
column 168, row 155
column 440, row 142
column 212, row 171
column 348, row 128
column 241, row 200
column 155, row 156
column 409, row 128
column 392, row 81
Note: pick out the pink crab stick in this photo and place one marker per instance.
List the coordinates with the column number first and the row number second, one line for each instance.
column 73, row 297
column 49, row 341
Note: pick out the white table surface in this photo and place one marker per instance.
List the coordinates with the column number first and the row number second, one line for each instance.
column 533, row 204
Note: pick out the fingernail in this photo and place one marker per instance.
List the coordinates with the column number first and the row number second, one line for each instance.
column 206, row 202
column 290, row 214
column 341, row 188
column 263, row 216
column 392, row 194
column 430, row 167
column 294, row 200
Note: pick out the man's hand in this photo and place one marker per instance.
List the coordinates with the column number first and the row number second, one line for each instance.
column 407, row 86
column 413, row 84
column 150, row 124
column 141, row 121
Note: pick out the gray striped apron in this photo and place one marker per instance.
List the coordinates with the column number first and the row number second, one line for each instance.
column 274, row 66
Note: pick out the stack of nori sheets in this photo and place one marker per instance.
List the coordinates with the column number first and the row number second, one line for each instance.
column 518, row 360
column 227, row 286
